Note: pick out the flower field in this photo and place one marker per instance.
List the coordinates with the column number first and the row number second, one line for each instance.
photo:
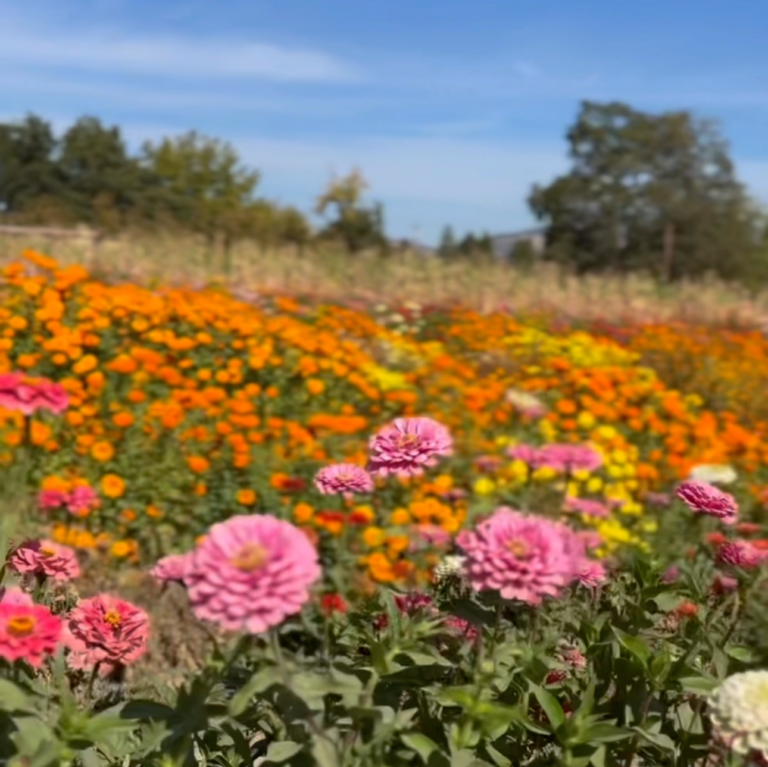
column 453, row 538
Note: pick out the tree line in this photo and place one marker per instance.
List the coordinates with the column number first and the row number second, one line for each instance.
column 645, row 191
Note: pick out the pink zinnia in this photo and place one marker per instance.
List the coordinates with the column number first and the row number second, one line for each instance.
column 461, row 628
column 704, row 498
column 409, row 604
column 82, row 500
column 171, row 568
column 45, row 558
column 567, row 458
column 27, row 395
column 429, row 535
column 591, row 538
column 343, row 478
column 741, row 554
column 408, row 445
column 13, row 595
column 528, row 454
column 106, row 631
column 586, row 506
column 251, row 572
column 592, row 574
column 48, row 500
column 27, row 632
column 523, row 557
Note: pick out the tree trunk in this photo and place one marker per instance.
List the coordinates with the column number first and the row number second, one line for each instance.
column 669, row 251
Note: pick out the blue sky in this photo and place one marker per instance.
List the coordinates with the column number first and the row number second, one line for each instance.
column 452, row 109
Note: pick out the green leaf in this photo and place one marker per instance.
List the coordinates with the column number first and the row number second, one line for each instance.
column 743, row 654
column 262, row 680
column 636, row 645
column 13, row 698
column 657, row 738
column 282, row 750
column 698, row 685
column 421, row 744
column 668, row 601
column 552, row 708
column 603, row 732
column 497, row 757
column 325, row 753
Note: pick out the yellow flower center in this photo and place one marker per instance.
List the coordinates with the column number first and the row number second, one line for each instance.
column 251, row 557
column 20, row 625
column 407, row 440
column 46, row 552
column 518, row 548
column 113, row 618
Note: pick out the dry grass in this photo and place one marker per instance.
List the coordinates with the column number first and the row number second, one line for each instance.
column 331, row 274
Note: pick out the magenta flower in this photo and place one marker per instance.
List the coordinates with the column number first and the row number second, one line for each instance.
column 741, row 554
column 573, row 657
column 409, row 604
column 567, row 458
column 172, row 568
column 592, row 574
column 45, row 559
column 49, row 500
column 106, row 631
column 704, row 498
column 461, row 628
column 409, row 445
column 343, row 478
column 82, row 500
column 28, row 632
column 251, row 572
column 586, row 506
column 523, row 557
column 671, row 574
column 528, row 454
column 26, row 395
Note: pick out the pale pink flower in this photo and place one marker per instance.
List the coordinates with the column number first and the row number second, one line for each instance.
column 82, row 500
column 704, row 498
column 106, row 631
column 573, row 657
column 671, row 574
column 658, row 499
column 722, row 584
column 15, row 596
column 343, row 478
column 488, row 462
column 45, row 558
column 409, row 445
column 48, row 500
column 28, row 632
column 429, row 535
column 592, row 574
column 171, row 568
column 251, row 572
column 523, row 557
column 586, row 506
column 528, row 454
column 27, row 395
column 741, row 554
column 591, row 538
column 567, row 458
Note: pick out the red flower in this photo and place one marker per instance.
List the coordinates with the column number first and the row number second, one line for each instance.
column 333, row 603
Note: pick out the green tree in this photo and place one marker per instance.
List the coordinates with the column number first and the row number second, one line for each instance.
column 357, row 227
column 648, row 191
column 28, row 169
column 448, row 247
column 293, row 228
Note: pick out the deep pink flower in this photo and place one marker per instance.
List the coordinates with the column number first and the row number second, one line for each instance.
column 27, row 631
column 722, row 584
column 409, row 445
column 658, row 499
column 48, row 500
column 461, row 628
column 567, row 458
column 171, row 568
column 107, row 631
column 27, row 395
column 671, row 574
column 586, row 506
column 343, row 478
column 592, row 573
column 14, row 596
column 573, row 657
column 82, row 500
column 741, row 554
column 412, row 603
column 45, row 558
column 251, row 572
column 523, row 557
column 556, row 675
column 704, row 498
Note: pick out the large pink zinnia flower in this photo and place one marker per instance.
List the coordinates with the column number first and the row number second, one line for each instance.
column 172, row 568
column 408, row 445
column 528, row 454
column 48, row 500
column 251, row 572
column 343, row 478
column 567, row 458
column 27, row 631
column 704, row 498
column 107, row 631
column 523, row 557
column 82, row 500
column 741, row 554
column 45, row 558
column 27, row 395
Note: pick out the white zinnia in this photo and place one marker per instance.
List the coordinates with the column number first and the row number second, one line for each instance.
column 451, row 566
column 714, row 474
column 739, row 712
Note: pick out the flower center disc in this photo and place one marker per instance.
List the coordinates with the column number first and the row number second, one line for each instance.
column 21, row 626
column 518, row 548
column 112, row 618
column 47, row 553
column 407, row 440
column 251, row 557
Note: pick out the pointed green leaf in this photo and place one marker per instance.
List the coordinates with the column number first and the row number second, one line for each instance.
column 421, row 744
column 282, row 750
column 552, row 708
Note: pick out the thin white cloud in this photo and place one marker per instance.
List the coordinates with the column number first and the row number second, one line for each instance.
column 102, row 51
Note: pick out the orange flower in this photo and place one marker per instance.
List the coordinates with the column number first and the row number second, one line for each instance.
column 315, row 386
column 246, row 497
column 112, row 486
column 198, row 464
column 102, row 451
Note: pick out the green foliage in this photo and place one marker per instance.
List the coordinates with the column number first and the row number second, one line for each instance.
column 651, row 192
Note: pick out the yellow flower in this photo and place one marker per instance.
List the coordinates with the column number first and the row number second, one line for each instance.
column 586, row 420
column 606, row 433
column 374, row 536
column 102, row 451
column 594, row 485
column 112, row 486
column 400, row 517
column 484, row 486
